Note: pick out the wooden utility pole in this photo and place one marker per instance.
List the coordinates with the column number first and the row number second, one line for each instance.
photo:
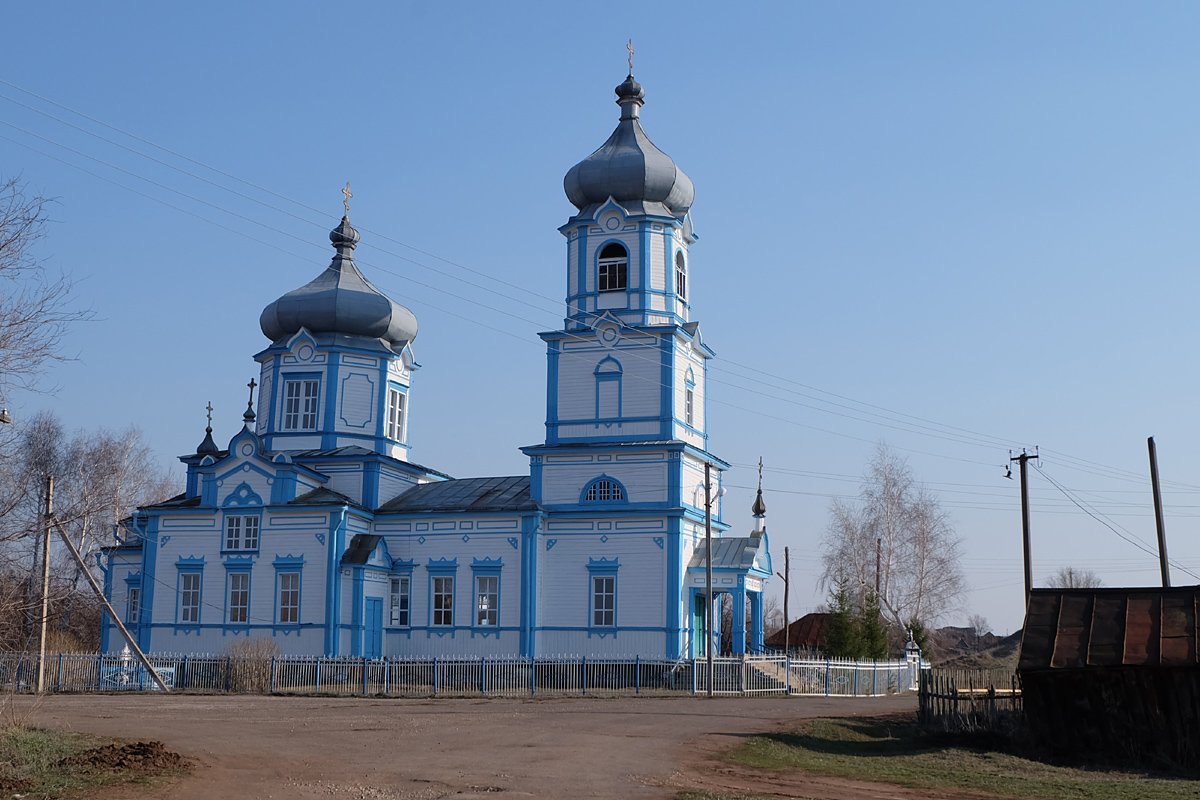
column 1023, row 459
column 45, row 597
column 133, row 645
column 787, row 622
column 1159, row 524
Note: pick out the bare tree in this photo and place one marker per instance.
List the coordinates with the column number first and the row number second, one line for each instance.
column 920, row 577
column 1072, row 578
column 35, row 308
column 979, row 627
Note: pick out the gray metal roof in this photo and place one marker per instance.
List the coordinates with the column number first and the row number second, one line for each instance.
column 732, row 552
column 355, row 450
column 466, row 495
column 629, row 168
column 322, row 497
column 340, row 300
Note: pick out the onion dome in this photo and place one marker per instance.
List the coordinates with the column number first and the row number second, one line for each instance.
column 628, row 167
column 340, row 300
column 759, row 509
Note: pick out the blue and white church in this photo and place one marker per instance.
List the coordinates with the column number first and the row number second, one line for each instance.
column 314, row 528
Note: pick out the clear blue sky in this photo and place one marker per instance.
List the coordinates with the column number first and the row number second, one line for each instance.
column 982, row 215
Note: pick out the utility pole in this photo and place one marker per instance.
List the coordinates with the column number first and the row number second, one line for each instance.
column 1023, row 459
column 878, row 561
column 708, row 598
column 787, row 580
column 47, row 521
column 1159, row 524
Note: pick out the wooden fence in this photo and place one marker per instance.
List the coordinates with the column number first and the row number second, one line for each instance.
column 969, row 700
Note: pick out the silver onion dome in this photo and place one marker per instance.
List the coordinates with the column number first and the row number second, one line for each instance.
column 340, row 300
column 628, row 167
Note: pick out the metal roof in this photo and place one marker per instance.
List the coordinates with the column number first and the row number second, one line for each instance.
column 729, row 552
column 322, row 497
column 629, row 168
column 466, row 494
column 360, row 549
column 340, row 300
column 1110, row 627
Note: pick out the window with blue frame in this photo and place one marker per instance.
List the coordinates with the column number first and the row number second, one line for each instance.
column 399, row 601
column 241, row 531
column 238, row 598
column 189, row 597
column 443, row 600
column 612, row 270
column 133, row 605
column 300, row 403
column 288, row 602
column 680, row 275
column 487, row 600
column 604, row 490
column 602, row 579
column 396, row 417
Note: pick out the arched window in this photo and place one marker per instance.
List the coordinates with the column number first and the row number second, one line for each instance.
column 608, row 390
column 604, row 490
column 613, row 271
column 680, row 275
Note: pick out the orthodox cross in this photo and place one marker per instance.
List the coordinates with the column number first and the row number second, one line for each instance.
column 346, row 195
column 629, row 47
column 209, row 408
column 251, row 384
column 760, row 473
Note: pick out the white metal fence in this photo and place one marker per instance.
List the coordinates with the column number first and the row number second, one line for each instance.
column 458, row 676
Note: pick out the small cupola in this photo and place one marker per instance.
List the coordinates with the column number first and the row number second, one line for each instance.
column 341, row 301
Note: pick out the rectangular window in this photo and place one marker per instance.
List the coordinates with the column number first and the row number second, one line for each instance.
column 613, row 276
column 443, row 600
column 289, row 598
column 241, row 532
column 300, row 405
column 487, row 599
column 680, row 281
column 133, row 601
column 395, row 416
column 189, row 598
column 398, row 603
column 239, row 598
column 604, row 601
column 689, row 404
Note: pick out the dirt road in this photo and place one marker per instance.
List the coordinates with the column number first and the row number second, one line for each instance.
column 289, row 747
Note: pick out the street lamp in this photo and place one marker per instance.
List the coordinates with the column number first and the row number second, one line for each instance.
column 708, row 592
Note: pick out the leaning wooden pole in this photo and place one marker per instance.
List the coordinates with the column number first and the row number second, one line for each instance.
column 133, row 645
column 1159, row 524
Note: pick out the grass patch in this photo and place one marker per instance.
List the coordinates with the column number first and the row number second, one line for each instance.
column 894, row 750
column 37, row 763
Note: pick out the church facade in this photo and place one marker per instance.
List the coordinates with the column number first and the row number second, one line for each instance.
column 315, row 529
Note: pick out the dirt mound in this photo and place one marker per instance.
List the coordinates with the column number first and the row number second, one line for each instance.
column 131, row 757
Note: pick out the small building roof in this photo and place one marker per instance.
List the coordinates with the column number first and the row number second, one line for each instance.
column 808, row 631
column 729, row 552
column 466, row 495
column 1110, row 627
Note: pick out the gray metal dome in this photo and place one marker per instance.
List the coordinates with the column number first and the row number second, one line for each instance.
column 628, row 167
column 340, row 300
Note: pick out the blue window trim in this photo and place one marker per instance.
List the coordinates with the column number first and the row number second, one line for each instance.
column 593, row 482
column 601, row 568
column 281, row 388
column 133, row 582
column 596, row 265
column 490, row 568
column 194, row 566
column 239, row 565
column 289, row 564
column 442, row 568
column 240, row 513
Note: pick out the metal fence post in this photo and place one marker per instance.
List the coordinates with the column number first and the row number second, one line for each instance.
column 856, row 666
column 387, row 676
column 99, row 669
column 637, row 675
column 437, row 675
column 272, row 674
column 183, row 668
column 483, row 675
column 828, row 669
column 787, row 674
column 693, row 677
column 317, row 677
column 583, row 674
column 228, row 673
column 874, row 678
column 364, row 676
